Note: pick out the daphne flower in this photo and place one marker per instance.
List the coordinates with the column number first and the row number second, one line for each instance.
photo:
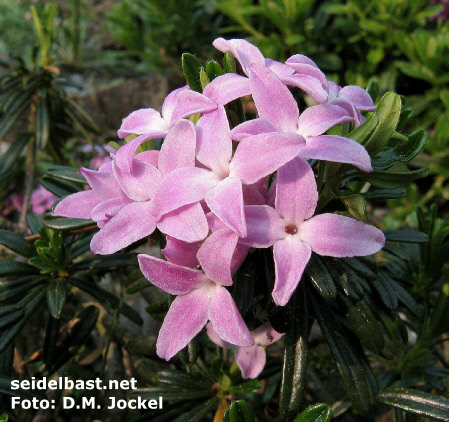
column 199, row 300
column 295, row 234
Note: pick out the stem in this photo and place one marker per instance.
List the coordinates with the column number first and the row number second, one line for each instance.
column 224, row 405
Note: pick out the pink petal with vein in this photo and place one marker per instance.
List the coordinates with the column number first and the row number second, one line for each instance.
column 358, row 97
column 251, row 361
column 265, row 335
column 338, row 149
column 265, row 226
column 178, row 148
column 185, row 319
column 215, row 256
column 142, row 121
column 296, row 192
column 291, row 256
column 102, row 183
column 226, row 319
column 318, row 119
column 77, row 205
column 226, row 201
column 251, row 127
column 214, row 144
column 260, row 155
column 339, row 236
column 226, row 88
column 309, row 84
column 180, row 252
column 170, row 103
column 190, row 103
column 273, row 99
column 187, row 223
column 171, row 278
column 133, row 222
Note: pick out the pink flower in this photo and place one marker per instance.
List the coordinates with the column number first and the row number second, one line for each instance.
column 294, row 232
column 41, row 200
column 250, row 359
column 199, row 300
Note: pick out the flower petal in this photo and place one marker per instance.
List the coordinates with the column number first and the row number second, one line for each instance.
column 215, row 256
column 77, row 205
column 291, row 256
column 339, row 236
column 338, row 149
column 190, row 103
column 187, row 223
column 318, row 119
column 185, row 319
column 102, row 183
column 309, row 84
column 251, row 361
column 133, row 222
column 226, row 319
column 214, row 144
column 141, row 122
column 260, row 155
column 180, row 252
column 171, row 278
column 306, row 66
column 251, row 127
column 182, row 187
column 170, row 103
column 265, row 226
column 226, row 201
column 226, row 88
column 141, row 183
column 273, row 99
column 296, row 191
column 178, row 148
column 214, row 337
column 358, row 97
column 265, row 335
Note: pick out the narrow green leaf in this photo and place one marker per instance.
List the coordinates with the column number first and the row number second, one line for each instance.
column 316, row 413
column 189, row 354
column 42, row 127
column 229, row 62
column 10, row 318
column 213, row 69
column 19, row 286
column 405, row 298
column 385, row 291
column 9, row 158
column 192, row 68
column 362, row 133
column 182, row 379
column 63, row 223
column 352, row 364
column 14, row 267
column 49, row 349
column 107, row 298
column 16, row 243
column 295, row 356
column 391, row 180
column 384, row 194
column 365, row 268
column 416, row 402
column 406, row 236
column 56, row 296
column 320, row 278
column 67, row 173
column 59, row 187
column 239, row 411
column 34, row 222
column 105, row 261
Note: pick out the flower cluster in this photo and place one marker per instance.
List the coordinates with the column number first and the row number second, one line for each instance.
column 217, row 191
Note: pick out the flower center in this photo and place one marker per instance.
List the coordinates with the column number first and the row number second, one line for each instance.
column 291, row 229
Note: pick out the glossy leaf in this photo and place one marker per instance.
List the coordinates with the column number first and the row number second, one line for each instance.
column 66, row 173
column 386, row 292
column 15, row 267
column 59, row 187
column 63, row 223
column 416, row 401
column 316, row 413
column 246, row 387
column 16, row 243
column 392, row 180
column 406, row 236
column 320, row 278
column 239, row 411
column 56, row 296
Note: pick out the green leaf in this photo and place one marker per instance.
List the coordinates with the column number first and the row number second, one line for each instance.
column 391, row 180
column 246, row 387
column 18, row 287
column 64, row 223
column 42, row 127
column 365, row 325
column 198, row 413
column 10, row 318
column 352, row 364
column 384, row 194
column 182, row 379
column 388, row 111
column 417, row 402
column 362, row 133
column 192, row 68
column 189, row 354
column 373, row 88
column 239, row 411
column 320, row 278
column 59, row 187
column 107, row 298
column 406, row 236
column 365, row 268
column 405, row 298
column 56, row 296
column 316, row 413
column 295, row 355
column 66, row 173
column 229, row 62
column 105, row 262
column 34, row 222
column 213, row 69
column 14, row 267
column 16, row 243
column 385, row 291
column 170, row 393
